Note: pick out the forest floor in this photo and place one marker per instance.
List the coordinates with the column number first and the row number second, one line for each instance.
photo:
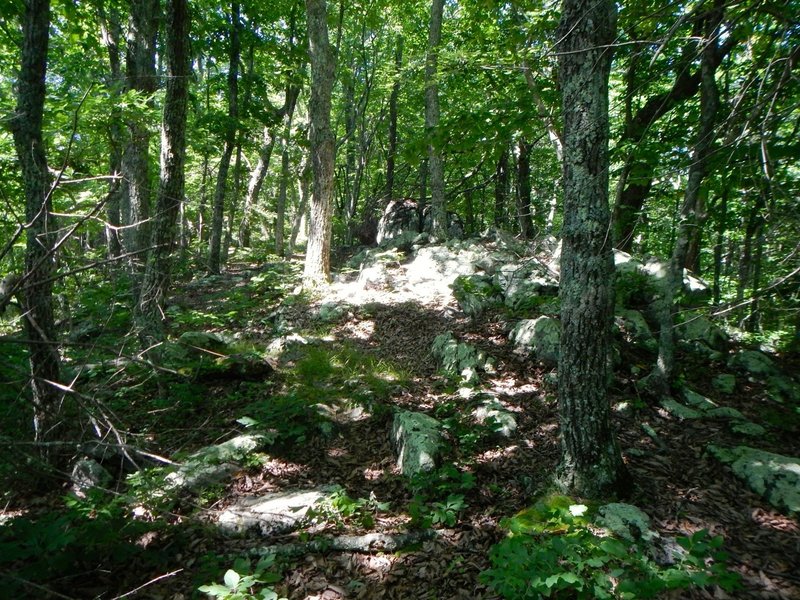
column 375, row 357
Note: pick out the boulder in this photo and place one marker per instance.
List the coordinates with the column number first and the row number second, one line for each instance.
column 625, row 521
column 476, row 294
column 213, row 464
column 87, row 474
column 635, row 330
column 208, row 355
column 753, row 362
column 695, row 291
column 332, row 312
column 271, row 514
column 774, row 476
column 460, row 359
column 417, row 441
column 523, row 281
column 540, row 337
column 399, row 217
column 702, row 329
column 502, row 420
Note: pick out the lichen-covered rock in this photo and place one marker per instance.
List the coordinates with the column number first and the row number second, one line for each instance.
column 626, row 521
column 540, row 337
column 783, row 389
column 680, row 411
column 273, row 513
column 702, row 329
column 87, row 473
column 748, row 428
column 460, row 359
column 213, row 464
column 476, row 294
column 417, row 440
column 698, row 401
column 774, row 476
column 332, row 312
column 635, row 330
column 521, row 281
column 492, row 411
column 753, row 362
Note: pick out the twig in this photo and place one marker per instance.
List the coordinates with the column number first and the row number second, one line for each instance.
column 144, row 585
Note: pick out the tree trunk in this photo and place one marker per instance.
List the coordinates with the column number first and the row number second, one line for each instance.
column 141, row 77
column 501, row 189
column 524, row 189
column 255, row 184
column 435, row 163
column 323, row 71
column 591, row 463
column 218, row 213
column 305, row 181
column 280, row 221
column 149, row 313
column 659, row 380
column 722, row 228
column 393, row 97
column 37, row 290
column 202, row 214
column 111, row 33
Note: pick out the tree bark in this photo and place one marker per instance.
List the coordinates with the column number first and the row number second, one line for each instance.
column 393, row 97
column 591, row 464
column 218, row 212
column 323, row 71
column 140, row 77
column 305, row 180
column 37, row 290
column 149, row 312
column 501, row 189
column 659, row 380
column 435, row 162
column 280, row 218
column 524, row 189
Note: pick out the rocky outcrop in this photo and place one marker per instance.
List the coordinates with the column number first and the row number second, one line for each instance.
column 539, row 338
column 459, row 359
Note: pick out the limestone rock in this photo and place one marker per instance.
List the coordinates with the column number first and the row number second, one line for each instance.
column 417, row 441
column 775, row 477
column 540, row 337
column 271, row 514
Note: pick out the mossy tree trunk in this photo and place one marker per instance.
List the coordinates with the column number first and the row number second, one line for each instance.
column 591, row 463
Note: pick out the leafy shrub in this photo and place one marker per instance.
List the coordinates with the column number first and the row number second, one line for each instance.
column 553, row 552
column 339, row 508
column 246, row 582
column 439, row 496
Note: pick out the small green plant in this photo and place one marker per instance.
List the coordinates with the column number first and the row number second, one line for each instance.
column 439, row 496
column 553, row 551
column 339, row 509
column 246, row 582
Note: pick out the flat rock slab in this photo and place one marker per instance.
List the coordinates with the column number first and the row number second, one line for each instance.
column 271, row 514
column 774, row 476
column 417, row 441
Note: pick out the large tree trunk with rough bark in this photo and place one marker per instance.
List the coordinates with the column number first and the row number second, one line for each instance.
column 149, row 313
column 393, row 98
column 323, row 71
column 435, row 162
column 140, row 68
column 218, row 212
column 37, row 283
column 524, row 216
column 591, row 463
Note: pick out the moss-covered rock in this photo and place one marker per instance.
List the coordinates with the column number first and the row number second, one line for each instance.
column 459, row 359
column 540, row 337
column 417, row 441
column 774, row 476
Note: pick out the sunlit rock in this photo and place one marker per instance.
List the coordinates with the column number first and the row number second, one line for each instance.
column 539, row 337
column 417, row 440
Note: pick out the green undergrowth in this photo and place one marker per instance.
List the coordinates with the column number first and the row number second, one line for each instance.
column 555, row 550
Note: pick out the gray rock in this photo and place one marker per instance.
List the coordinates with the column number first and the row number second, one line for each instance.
column 698, row 401
column 399, row 217
column 626, row 521
column 417, row 441
column 502, row 419
column 87, row 473
column 271, row 514
column 204, row 340
column 635, row 329
column 332, row 312
column 775, row 477
column 524, row 280
column 753, row 362
column 748, row 428
column 695, row 291
column 680, row 411
column 213, row 464
column 460, row 359
column 724, row 383
column 702, row 329
column 476, row 294
column 783, row 389
column 540, row 337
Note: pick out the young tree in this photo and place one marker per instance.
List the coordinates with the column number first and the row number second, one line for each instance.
column 435, row 166
column 323, row 71
column 232, row 125
column 591, row 463
column 37, row 282
column 171, row 185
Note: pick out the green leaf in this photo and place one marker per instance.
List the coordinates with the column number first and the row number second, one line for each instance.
column 214, row 589
column 231, row 579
